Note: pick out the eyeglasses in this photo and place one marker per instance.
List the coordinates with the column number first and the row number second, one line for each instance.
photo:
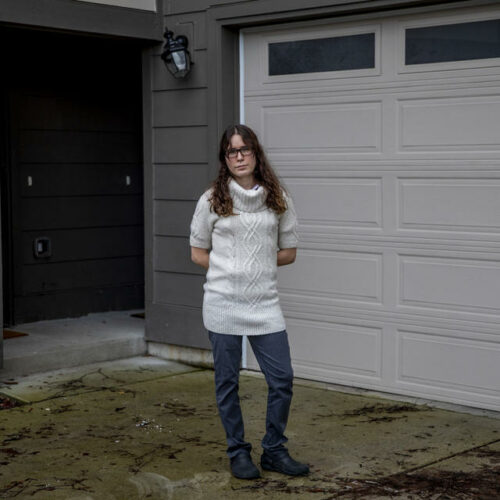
column 233, row 152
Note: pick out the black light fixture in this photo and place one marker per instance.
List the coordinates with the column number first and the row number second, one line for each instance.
column 176, row 55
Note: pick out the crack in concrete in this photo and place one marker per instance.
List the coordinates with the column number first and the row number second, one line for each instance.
column 453, row 455
column 71, row 385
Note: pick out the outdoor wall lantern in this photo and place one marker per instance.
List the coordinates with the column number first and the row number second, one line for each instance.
column 176, row 55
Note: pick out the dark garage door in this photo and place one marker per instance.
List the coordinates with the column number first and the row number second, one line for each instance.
column 72, row 196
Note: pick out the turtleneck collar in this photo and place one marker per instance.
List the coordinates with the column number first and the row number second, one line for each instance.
column 247, row 200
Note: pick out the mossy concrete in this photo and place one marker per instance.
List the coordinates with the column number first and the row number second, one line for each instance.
column 150, row 429
column 88, row 378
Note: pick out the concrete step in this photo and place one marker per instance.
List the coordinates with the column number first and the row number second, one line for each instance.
column 70, row 342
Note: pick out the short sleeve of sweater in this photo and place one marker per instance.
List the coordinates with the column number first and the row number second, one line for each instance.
column 202, row 223
column 287, row 231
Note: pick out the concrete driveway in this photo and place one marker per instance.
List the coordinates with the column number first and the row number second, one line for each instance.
column 145, row 428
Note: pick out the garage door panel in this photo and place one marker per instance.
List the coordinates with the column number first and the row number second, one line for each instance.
column 258, row 47
column 430, row 359
column 467, row 285
column 340, row 275
column 470, row 205
column 346, row 202
column 333, row 351
column 448, row 45
column 324, row 127
column 460, row 123
column 337, row 347
column 331, row 310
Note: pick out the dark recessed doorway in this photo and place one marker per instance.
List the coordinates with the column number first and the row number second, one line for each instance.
column 71, row 173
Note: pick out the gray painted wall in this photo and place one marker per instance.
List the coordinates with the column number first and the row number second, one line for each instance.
column 182, row 170
column 180, row 173
column 187, row 119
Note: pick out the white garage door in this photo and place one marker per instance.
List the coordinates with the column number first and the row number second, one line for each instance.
column 387, row 134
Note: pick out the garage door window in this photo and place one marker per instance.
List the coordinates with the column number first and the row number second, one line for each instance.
column 453, row 42
column 322, row 54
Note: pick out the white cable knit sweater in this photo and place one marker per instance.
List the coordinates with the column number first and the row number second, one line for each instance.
column 241, row 296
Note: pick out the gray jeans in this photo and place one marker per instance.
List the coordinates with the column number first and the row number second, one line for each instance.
column 273, row 355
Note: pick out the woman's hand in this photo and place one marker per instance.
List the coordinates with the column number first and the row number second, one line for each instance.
column 200, row 256
column 286, row 256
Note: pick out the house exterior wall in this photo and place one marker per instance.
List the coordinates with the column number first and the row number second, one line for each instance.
column 183, row 119
column 187, row 119
column 181, row 154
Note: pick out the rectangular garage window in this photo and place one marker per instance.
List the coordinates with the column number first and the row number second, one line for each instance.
column 339, row 53
column 453, row 42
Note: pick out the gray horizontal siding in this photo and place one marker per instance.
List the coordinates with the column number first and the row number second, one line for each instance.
column 180, row 108
column 179, row 289
column 178, row 325
column 180, row 165
column 173, row 217
column 180, row 182
column 173, row 255
column 181, row 145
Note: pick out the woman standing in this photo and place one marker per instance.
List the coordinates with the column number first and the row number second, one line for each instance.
column 243, row 227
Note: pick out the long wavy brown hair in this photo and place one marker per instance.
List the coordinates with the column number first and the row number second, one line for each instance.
column 221, row 201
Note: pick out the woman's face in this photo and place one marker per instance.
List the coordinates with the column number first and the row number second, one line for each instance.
column 241, row 167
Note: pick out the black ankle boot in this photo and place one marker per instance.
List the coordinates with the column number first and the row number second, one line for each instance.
column 242, row 467
column 280, row 461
